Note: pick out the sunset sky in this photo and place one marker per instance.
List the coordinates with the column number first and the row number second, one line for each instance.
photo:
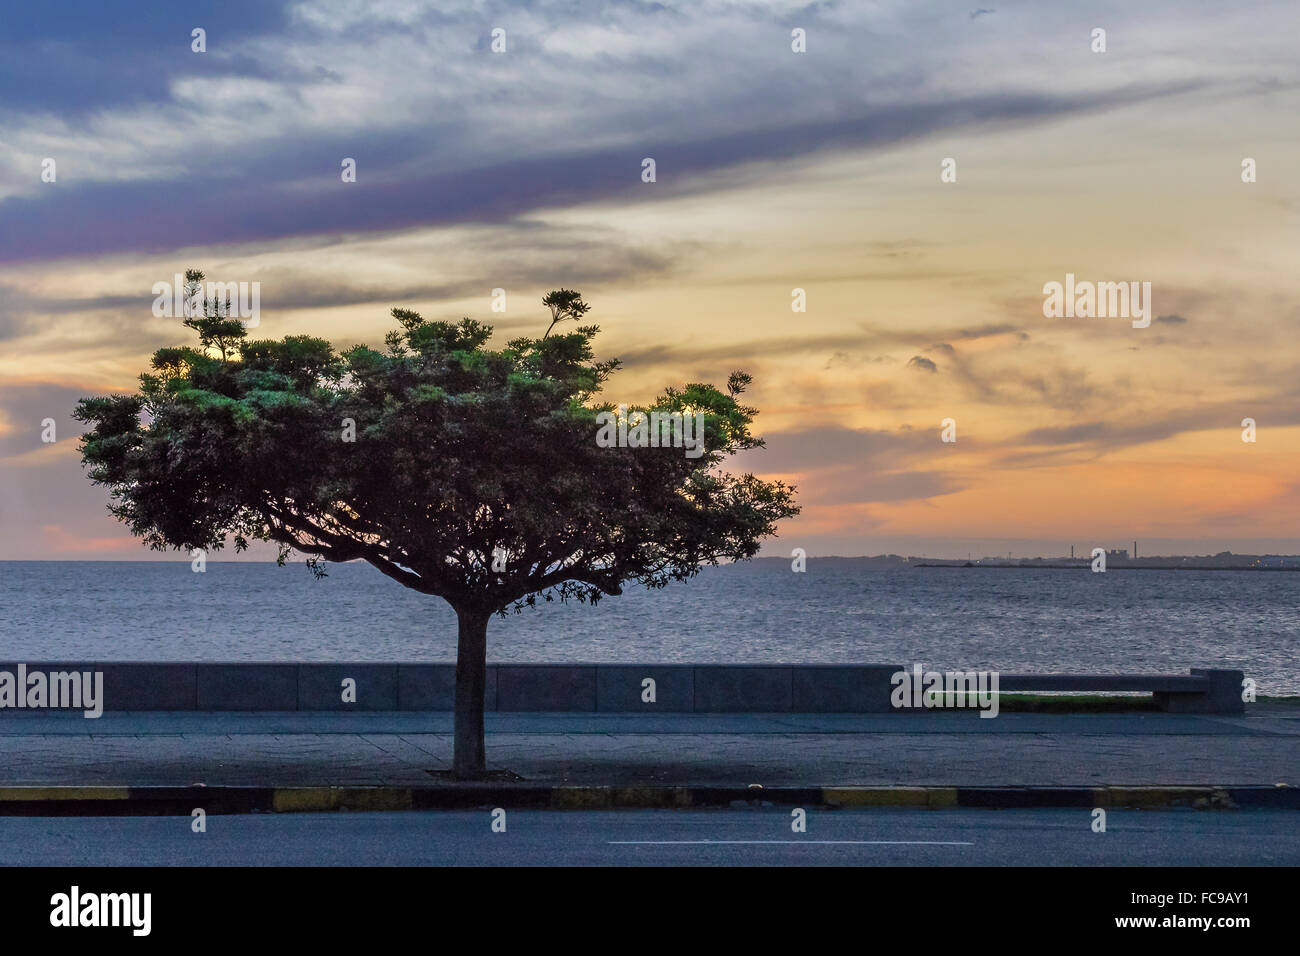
column 775, row 170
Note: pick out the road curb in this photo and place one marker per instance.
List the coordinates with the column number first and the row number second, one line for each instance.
column 166, row 801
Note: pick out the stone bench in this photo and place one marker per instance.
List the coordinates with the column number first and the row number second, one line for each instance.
column 1204, row 691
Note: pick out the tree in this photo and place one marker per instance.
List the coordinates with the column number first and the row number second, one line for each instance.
column 210, row 317
column 459, row 471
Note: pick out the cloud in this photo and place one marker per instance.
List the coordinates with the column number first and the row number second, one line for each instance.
column 1174, row 319
column 994, row 380
column 991, row 331
column 243, row 143
column 419, row 271
column 14, row 309
column 23, row 409
column 833, row 446
column 922, row 364
column 59, row 540
column 857, row 485
column 834, row 465
column 82, row 56
column 844, row 359
column 1099, row 436
column 277, row 191
column 747, row 348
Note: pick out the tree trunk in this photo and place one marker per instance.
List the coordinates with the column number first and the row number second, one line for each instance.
column 470, row 758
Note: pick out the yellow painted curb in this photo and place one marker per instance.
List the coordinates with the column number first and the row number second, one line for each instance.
column 942, row 797
column 304, row 798
column 878, row 796
column 650, row 796
column 14, row 794
column 579, row 798
column 309, row 799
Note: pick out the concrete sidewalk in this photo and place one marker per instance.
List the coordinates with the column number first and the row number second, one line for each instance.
column 945, row 749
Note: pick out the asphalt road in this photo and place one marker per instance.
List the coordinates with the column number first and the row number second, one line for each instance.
column 744, row 837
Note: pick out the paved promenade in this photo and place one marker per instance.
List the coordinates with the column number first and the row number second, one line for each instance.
column 399, row 749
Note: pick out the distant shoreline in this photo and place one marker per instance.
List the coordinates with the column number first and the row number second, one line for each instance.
column 862, row 562
column 1109, row 568
column 1225, row 562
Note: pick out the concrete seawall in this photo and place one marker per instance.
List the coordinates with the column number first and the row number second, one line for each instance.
column 582, row 688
